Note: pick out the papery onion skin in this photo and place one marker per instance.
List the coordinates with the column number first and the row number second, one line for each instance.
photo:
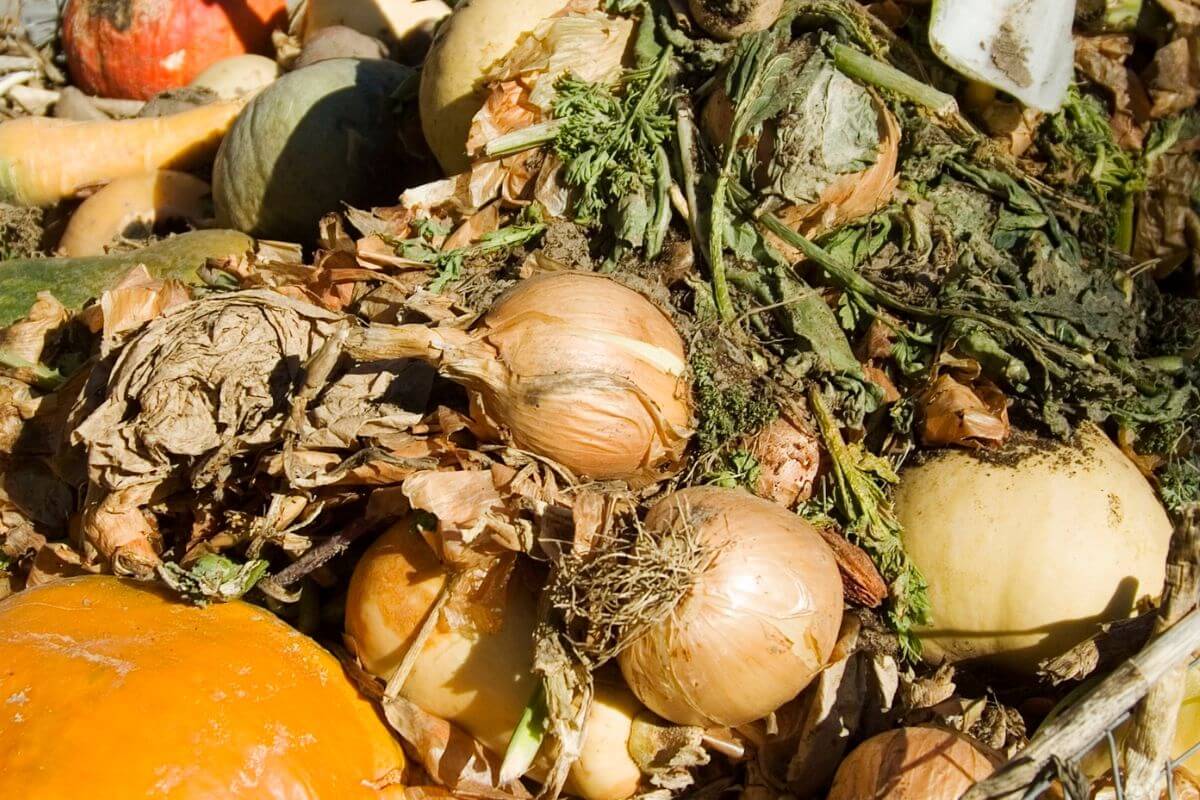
column 1025, row 552
column 481, row 681
column 911, row 764
column 588, row 373
column 757, row 626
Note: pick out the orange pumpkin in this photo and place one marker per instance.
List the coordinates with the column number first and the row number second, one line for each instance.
column 137, row 48
column 109, row 688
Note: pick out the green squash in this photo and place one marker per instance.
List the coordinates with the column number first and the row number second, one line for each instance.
column 316, row 138
column 74, row 281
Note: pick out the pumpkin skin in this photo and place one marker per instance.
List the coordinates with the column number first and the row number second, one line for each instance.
column 113, row 689
column 318, row 137
column 137, row 48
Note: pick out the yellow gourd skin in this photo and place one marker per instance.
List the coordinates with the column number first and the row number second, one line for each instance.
column 480, row 681
column 45, row 160
column 469, row 42
column 1026, row 552
column 111, row 689
column 142, row 199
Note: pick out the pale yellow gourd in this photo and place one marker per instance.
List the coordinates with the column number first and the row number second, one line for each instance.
column 237, row 76
column 472, row 40
column 141, row 200
column 480, row 681
column 1028, row 550
column 45, row 160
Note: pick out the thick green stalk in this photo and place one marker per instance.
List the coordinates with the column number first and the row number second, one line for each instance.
column 542, row 133
column 885, row 76
column 527, row 739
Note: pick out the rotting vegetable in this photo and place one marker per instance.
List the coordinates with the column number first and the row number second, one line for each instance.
column 1027, row 549
column 476, row 674
column 407, row 25
column 754, row 619
column 237, row 76
column 313, row 139
column 132, row 206
column 571, row 366
column 93, row 652
column 74, row 281
column 43, row 161
column 137, row 48
column 912, row 764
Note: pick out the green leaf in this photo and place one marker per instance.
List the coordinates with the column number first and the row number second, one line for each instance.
column 213, row 578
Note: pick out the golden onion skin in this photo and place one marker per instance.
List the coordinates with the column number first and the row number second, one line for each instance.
column 481, row 681
column 588, row 373
column 759, row 623
column 911, row 764
column 1025, row 552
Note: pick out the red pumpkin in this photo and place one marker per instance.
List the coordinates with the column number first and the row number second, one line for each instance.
column 138, row 48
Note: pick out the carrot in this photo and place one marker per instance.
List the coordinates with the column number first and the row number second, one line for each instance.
column 44, row 160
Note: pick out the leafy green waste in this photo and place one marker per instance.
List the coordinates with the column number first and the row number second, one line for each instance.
column 74, row 281
column 861, row 484
column 448, row 264
column 213, row 578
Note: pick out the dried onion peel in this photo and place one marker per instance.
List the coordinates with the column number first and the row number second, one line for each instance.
column 571, row 366
column 480, row 680
column 758, row 623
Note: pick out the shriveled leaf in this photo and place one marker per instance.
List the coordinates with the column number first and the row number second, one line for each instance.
column 1173, row 77
column 968, row 413
column 213, row 578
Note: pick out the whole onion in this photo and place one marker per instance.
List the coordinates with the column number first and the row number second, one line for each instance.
column 911, row 764
column 572, row 366
column 758, row 622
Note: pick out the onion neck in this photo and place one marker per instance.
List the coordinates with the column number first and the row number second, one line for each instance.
column 434, row 346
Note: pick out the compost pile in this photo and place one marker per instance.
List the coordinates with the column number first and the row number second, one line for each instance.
column 636, row 397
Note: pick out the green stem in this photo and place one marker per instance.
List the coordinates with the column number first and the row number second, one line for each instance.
column 657, row 232
column 43, row 377
column 527, row 739
column 885, row 76
column 1124, row 238
column 525, row 139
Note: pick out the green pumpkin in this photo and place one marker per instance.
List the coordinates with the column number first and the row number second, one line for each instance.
column 316, row 138
column 74, row 281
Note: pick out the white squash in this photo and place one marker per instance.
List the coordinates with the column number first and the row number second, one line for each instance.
column 476, row 37
column 1027, row 551
column 480, row 681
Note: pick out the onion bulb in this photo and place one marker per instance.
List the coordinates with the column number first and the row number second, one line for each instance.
column 1027, row 550
column 568, row 365
column 481, row 681
column 911, row 764
column 757, row 624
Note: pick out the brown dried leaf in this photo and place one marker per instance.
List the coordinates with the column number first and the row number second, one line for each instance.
column 448, row 754
column 666, row 753
column 1102, row 59
column 964, row 409
column 1168, row 227
column 815, row 729
column 29, row 338
column 861, row 580
column 132, row 304
column 1173, row 77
